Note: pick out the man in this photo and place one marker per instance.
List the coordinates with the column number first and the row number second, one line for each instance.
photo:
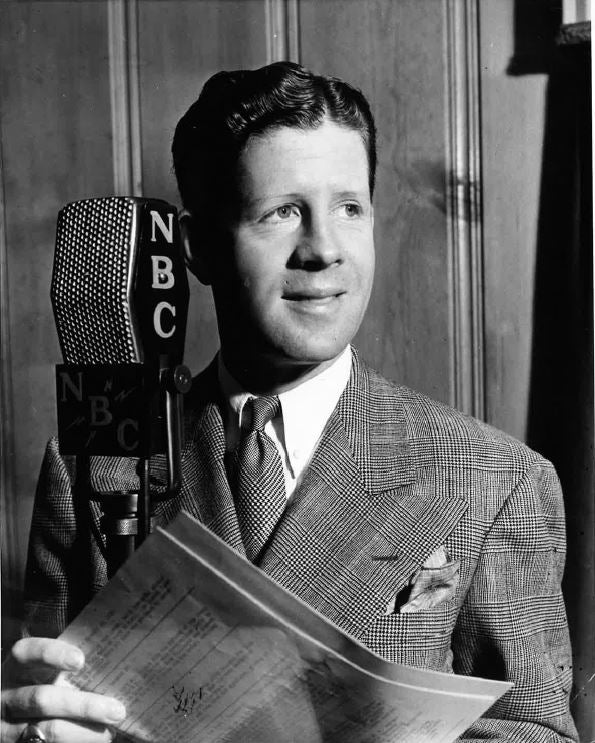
column 432, row 538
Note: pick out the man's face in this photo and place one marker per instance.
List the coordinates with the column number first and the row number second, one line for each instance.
column 294, row 280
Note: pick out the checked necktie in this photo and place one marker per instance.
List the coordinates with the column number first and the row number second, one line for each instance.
column 259, row 480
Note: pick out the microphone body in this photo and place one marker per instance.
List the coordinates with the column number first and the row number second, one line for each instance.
column 120, row 298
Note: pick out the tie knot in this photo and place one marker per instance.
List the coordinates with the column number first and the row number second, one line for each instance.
column 261, row 410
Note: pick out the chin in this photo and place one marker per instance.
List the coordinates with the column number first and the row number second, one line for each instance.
column 313, row 352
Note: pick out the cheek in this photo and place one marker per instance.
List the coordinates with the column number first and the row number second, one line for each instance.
column 259, row 261
column 258, row 285
column 371, row 270
column 364, row 259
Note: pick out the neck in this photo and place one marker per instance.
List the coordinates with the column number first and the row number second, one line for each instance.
column 261, row 377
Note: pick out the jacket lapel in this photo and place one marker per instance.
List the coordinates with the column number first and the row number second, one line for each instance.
column 364, row 519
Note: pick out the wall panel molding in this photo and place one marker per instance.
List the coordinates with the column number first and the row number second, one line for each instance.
column 11, row 543
column 125, row 96
column 282, row 30
column 464, row 209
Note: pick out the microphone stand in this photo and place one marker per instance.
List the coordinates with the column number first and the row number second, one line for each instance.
column 127, row 516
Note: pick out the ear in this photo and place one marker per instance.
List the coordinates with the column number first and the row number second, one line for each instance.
column 195, row 249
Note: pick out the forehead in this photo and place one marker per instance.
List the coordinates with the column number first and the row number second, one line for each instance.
column 287, row 160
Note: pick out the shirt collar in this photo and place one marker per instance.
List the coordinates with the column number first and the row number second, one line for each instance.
column 305, row 409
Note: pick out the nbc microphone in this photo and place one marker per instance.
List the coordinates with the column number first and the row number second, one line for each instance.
column 120, row 298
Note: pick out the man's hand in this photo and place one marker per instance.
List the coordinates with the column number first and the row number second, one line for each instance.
column 34, row 692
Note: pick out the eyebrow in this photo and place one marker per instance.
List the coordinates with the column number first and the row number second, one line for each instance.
column 353, row 194
column 296, row 195
column 284, row 196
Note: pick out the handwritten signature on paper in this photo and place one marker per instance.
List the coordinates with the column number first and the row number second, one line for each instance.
column 185, row 700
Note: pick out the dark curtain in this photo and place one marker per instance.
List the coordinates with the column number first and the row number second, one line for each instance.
column 560, row 422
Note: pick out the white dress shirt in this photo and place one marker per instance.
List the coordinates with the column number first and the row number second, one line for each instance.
column 305, row 410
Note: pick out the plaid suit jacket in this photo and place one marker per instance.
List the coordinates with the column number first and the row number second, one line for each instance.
column 394, row 477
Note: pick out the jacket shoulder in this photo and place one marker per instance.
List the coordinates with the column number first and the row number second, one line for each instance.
column 449, row 434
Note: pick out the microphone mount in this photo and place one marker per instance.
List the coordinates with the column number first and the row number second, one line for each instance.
column 130, row 410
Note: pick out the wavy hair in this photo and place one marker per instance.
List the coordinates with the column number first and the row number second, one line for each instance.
column 234, row 106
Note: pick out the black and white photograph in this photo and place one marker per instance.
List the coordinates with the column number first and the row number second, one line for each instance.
column 297, row 388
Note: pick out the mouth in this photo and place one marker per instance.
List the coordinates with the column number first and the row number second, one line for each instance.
column 314, row 301
column 314, row 296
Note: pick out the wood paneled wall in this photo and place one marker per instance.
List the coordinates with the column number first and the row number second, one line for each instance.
column 90, row 94
column 513, row 127
column 56, row 147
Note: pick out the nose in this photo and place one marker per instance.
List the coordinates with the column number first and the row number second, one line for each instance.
column 318, row 246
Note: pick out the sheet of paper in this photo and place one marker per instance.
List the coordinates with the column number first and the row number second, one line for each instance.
column 202, row 647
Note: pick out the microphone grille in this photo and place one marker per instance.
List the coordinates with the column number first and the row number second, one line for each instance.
column 92, row 281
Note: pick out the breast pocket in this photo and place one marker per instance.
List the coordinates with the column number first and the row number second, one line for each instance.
column 420, row 639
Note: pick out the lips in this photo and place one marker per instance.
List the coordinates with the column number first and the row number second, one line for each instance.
column 315, row 302
column 313, row 294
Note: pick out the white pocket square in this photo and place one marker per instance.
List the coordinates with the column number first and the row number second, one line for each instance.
column 433, row 584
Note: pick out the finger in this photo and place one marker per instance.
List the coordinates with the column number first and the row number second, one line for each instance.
column 30, row 702
column 40, row 659
column 59, row 731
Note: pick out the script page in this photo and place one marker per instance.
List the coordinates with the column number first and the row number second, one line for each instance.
column 199, row 655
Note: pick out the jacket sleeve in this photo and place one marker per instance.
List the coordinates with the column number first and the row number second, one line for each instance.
column 513, row 625
column 64, row 564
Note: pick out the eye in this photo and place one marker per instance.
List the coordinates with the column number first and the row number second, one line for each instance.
column 351, row 209
column 282, row 213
